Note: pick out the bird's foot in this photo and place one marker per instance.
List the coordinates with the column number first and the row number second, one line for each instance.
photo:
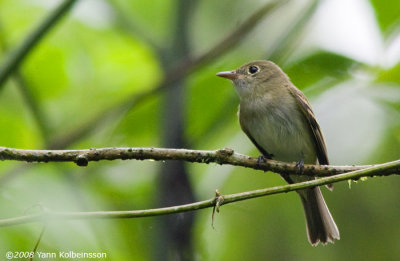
column 300, row 166
column 260, row 160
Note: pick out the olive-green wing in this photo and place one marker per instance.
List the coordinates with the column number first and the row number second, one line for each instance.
column 313, row 124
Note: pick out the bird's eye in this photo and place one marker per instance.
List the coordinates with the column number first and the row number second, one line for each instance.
column 253, row 69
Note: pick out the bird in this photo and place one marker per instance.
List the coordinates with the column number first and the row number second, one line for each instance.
column 278, row 119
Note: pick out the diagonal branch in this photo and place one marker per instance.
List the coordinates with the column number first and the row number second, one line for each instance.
column 223, row 157
column 221, row 200
column 123, row 21
column 19, row 54
column 27, row 94
column 236, row 36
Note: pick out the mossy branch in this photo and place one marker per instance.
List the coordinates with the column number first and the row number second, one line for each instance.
column 223, row 157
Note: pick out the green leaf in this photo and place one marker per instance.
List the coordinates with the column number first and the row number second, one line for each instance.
column 387, row 13
column 391, row 75
column 211, row 104
column 319, row 66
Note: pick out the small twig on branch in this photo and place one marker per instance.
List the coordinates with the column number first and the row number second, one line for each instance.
column 389, row 167
column 219, row 199
column 223, row 157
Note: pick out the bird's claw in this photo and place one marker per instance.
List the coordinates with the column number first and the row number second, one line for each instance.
column 260, row 160
column 300, row 165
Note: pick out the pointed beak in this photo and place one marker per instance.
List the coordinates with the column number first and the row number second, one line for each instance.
column 231, row 75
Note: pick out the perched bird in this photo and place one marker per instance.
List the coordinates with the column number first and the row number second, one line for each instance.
column 278, row 119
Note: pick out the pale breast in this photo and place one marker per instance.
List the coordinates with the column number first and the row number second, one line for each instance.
column 281, row 131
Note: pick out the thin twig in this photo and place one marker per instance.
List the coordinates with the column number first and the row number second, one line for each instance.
column 38, row 242
column 125, row 22
column 27, row 94
column 227, row 199
column 223, row 157
column 236, row 36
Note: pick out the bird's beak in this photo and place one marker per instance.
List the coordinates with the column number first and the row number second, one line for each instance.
column 231, row 75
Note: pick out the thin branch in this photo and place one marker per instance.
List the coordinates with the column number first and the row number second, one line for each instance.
column 236, row 36
column 19, row 54
column 176, row 73
column 124, row 21
column 27, row 94
column 223, row 157
column 38, row 241
column 34, row 106
column 221, row 200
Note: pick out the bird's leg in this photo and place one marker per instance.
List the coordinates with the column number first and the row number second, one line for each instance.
column 300, row 165
column 262, row 158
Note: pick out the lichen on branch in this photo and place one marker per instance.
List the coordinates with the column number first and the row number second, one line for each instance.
column 223, row 157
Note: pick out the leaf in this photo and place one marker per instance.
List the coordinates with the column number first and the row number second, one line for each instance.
column 211, row 104
column 319, row 66
column 72, row 76
column 387, row 14
column 391, row 75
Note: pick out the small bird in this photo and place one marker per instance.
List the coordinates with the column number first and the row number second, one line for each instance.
column 278, row 119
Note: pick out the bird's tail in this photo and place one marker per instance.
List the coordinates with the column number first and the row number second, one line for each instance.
column 320, row 225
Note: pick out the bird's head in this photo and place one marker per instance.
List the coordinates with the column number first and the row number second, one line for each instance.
column 255, row 78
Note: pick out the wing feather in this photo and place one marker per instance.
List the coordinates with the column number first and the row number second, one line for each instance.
column 313, row 124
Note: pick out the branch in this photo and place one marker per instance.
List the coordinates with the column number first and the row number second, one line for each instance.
column 236, row 36
column 223, row 157
column 16, row 57
column 390, row 167
column 124, row 21
column 34, row 106
column 29, row 98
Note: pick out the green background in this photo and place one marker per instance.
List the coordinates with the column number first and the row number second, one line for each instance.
column 104, row 52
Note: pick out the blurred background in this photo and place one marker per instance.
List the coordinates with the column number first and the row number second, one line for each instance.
column 142, row 74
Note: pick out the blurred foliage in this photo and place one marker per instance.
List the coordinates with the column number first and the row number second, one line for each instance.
column 318, row 66
column 387, row 14
column 105, row 51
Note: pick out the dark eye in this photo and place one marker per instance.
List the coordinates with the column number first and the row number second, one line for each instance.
column 253, row 69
